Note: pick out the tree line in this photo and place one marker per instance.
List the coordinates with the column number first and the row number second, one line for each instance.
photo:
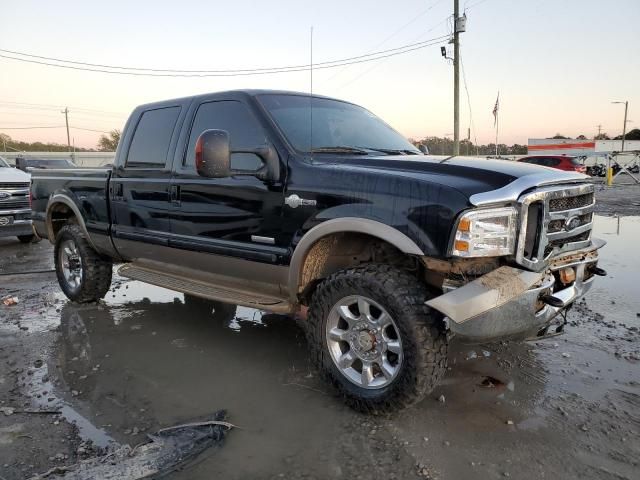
column 106, row 143
column 444, row 146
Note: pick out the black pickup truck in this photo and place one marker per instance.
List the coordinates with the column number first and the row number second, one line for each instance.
column 280, row 201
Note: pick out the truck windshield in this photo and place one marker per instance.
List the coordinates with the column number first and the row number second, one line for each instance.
column 338, row 127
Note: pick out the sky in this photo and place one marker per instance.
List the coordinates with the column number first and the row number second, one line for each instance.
column 557, row 64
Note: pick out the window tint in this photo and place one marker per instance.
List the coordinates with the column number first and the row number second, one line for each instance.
column 243, row 128
column 554, row 162
column 152, row 137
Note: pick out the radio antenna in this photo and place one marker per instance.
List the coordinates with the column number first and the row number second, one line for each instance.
column 311, row 91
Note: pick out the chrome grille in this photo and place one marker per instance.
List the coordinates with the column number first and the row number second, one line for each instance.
column 14, row 196
column 569, row 203
column 558, row 225
column 13, row 185
column 563, row 222
column 13, row 204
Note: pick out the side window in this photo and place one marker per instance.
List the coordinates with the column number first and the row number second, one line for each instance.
column 151, row 139
column 554, row 162
column 236, row 118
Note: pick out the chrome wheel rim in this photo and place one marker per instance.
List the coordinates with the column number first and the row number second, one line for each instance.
column 364, row 342
column 71, row 264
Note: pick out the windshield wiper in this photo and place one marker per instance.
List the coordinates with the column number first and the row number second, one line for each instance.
column 340, row 149
column 391, row 151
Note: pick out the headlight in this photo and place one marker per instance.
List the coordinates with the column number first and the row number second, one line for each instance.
column 486, row 233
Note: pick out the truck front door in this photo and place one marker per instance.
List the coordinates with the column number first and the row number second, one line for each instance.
column 233, row 223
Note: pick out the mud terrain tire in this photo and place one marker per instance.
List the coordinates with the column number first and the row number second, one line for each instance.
column 421, row 332
column 95, row 270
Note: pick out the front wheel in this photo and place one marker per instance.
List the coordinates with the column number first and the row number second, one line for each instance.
column 83, row 274
column 374, row 338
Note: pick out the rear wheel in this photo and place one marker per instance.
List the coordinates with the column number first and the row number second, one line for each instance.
column 83, row 274
column 374, row 338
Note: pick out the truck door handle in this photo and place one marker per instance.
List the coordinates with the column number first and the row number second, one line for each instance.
column 174, row 194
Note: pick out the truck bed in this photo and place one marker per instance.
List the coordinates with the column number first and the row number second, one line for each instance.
column 87, row 187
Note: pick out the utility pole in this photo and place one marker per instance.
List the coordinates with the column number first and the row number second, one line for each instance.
column 599, row 130
column 66, row 119
column 456, row 79
column 624, row 127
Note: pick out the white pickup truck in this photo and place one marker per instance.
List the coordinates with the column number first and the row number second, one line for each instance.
column 15, row 203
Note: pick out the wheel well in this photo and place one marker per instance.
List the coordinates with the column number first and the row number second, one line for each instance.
column 342, row 250
column 59, row 215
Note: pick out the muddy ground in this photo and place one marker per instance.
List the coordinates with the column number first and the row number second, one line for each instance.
column 566, row 407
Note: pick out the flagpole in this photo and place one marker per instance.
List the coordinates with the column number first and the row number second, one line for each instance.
column 497, row 120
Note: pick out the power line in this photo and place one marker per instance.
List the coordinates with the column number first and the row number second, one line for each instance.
column 374, row 66
column 45, row 106
column 473, row 4
column 177, row 71
column 31, row 128
column 398, row 30
column 88, row 129
column 234, row 73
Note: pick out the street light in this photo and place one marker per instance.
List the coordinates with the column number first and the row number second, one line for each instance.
column 624, row 126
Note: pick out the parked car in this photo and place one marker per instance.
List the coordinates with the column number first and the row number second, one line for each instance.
column 228, row 197
column 26, row 164
column 561, row 162
column 15, row 207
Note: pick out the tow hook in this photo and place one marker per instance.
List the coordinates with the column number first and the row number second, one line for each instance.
column 601, row 272
column 553, row 301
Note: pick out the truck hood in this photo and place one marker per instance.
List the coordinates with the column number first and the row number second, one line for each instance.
column 13, row 175
column 481, row 180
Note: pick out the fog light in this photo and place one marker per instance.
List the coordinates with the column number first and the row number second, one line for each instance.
column 567, row 275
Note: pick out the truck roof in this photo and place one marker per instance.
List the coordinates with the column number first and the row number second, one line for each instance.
column 247, row 92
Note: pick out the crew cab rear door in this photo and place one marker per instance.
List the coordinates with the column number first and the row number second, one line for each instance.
column 139, row 187
column 236, row 220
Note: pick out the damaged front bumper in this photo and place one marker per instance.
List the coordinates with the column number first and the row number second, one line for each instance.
column 511, row 302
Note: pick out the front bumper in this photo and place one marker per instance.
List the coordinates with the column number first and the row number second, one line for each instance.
column 506, row 303
column 19, row 227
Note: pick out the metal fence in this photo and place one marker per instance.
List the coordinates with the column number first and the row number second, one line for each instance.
column 82, row 159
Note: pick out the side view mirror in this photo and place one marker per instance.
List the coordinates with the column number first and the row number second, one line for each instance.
column 423, row 148
column 213, row 156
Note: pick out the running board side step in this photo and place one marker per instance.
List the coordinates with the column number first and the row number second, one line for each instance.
column 203, row 289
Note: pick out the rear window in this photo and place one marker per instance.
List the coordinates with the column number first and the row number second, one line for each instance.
column 575, row 161
column 152, row 137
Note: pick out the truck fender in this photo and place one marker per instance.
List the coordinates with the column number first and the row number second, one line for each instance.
column 66, row 200
column 344, row 224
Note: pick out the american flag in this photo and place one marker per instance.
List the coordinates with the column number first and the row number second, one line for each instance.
column 495, row 110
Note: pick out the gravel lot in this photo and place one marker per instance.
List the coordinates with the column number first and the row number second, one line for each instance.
column 565, row 407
